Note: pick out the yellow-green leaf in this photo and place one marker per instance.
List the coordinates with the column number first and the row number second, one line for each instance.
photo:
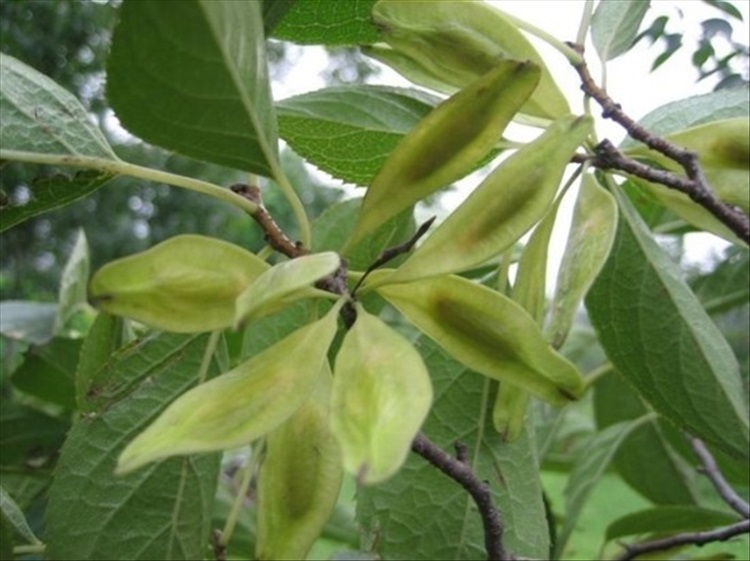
column 381, row 395
column 299, row 478
column 509, row 412
column 186, row 284
column 447, row 143
column 283, row 284
column 241, row 405
column 507, row 204
column 488, row 332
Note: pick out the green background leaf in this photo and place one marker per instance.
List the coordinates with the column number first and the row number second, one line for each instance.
column 322, row 22
column 48, row 371
column 190, row 76
column 422, row 513
column 658, row 336
column 668, row 520
column 32, row 322
column 160, row 512
column 72, row 296
column 614, row 26
column 349, row 131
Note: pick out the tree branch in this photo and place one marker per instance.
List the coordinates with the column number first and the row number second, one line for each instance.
column 712, row 471
column 695, row 185
column 460, row 471
column 689, row 538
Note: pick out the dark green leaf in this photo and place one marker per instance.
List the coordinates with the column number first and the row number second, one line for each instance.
column 160, row 512
column 48, row 372
column 191, row 76
column 668, row 520
column 674, row 42
column 13, row 514
column 614, row 26
column 29, row 438
column 349, row 131
column 728, row 285
column 32, row 322
column 274, row 11
column 72, row 294
column 726, row 7
column 103, row 339
column 6, row 539
column 658, row 336
column 325, row 22
column 49, row 193
column 422, row 514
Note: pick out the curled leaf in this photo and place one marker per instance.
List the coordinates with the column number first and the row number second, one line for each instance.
column 299, row 478
column 447, row 143
column 381, row 395
column 507, row 204
column 283, row 284
column 488, row 332
column 186, row 284
column 241, row 405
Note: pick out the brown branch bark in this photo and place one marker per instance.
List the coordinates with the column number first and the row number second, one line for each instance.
column 694, row 184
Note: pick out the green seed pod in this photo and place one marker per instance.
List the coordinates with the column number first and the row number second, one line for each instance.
column 509, row 412
column 187, row 284
column 592, row 233
column 506, row 205
column 241, row 405
column 488, row 332
column 723, row 148
column 407, row 67
column 284, row 284
column 381, row 396
column 299, row 479
column 446, row 144
column 457, row 42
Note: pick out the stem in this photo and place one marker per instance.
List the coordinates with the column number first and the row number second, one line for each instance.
column 247, row 472
column 583, row 28
column 119, row 167
column 560, row 46
column 208, row 355
column 721, row 485
column 298, row 208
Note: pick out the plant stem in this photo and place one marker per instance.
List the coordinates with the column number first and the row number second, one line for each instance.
column 247, row 473
column 583, row 28
column 298, row 208
column 119, row 167
column 569, row 53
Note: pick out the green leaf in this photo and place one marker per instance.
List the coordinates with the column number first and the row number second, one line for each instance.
column 99, row 346
column 514, row 197
column 191, row 76
column 728, row 285
column 420, row 513
column 274, row 11
column 161, row 512
column 614, row 26
column 322, row 22
column 693, row 111
column 349, row 131
column 590, row 238
column 28, row 437
column 668, row 520
column 13, row 514
column 241, row 405
column 39, row 116
column 726, row 7
column 658, row 336
column 283, row 284
column 72, row 295
column 669, row 479
column 592, row 462
column 48, row 372
column 32, row 322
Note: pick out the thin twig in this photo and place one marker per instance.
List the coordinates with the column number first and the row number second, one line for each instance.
column 712, row 471
column 689, row 538
column 695, row 186
column 460, row 471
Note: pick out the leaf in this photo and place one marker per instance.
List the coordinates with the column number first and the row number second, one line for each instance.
column 72, row 294
column 447, row 143
column 48, row 372
column 29, row 438
column 321, row 22
column 615, row 25
column 241, row 405
column 274, row 11
column 669, row 479
column 14, row 515
column 191, row 76
column 590, row 238
column 380, row 397
column 283, row 284
column 693, row 111
column 725, row 7
column 513, row 198
column 658, row 336
column 488, row 332
column 185, row 284
column 41, row 117
column 299, row 478
column 668, row 520
column 101, row 342
column 32, row 322
column 349, row 131
column 161, row 512
column 592, row 462
column 420, row 513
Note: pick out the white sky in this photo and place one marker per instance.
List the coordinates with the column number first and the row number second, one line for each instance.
column 629, row 81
